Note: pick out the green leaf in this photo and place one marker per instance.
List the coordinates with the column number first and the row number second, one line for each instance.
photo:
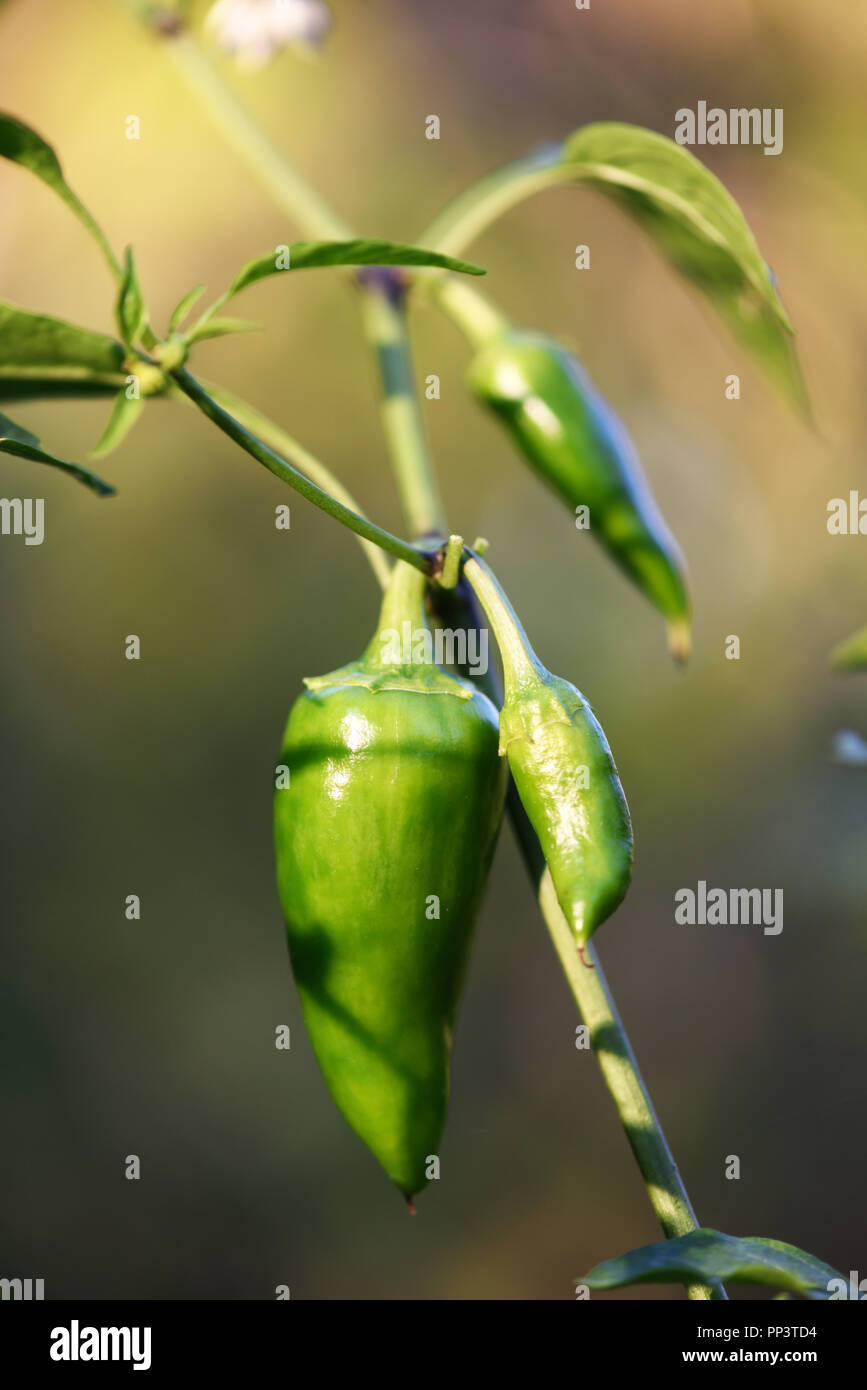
column 705, row 1254
column 311, row 255
column 21, row 385
column 685, row 210
column 219, row 328
column 130, row 311
column 44, row 356
column 124, row 414
column 23, row 146
column 183, row 307
column 17, row 441
column 851, row 655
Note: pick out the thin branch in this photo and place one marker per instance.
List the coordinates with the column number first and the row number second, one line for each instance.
column 284, row 470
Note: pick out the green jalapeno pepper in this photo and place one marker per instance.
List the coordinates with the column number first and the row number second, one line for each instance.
column 563, row 770
column 575, row 442
column 384, row 838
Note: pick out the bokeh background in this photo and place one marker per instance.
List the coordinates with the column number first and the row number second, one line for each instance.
column 154, row 777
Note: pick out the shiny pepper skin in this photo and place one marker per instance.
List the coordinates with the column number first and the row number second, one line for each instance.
column 384, row 839
column 563, row 771
column 575, row 442
column 570, row 789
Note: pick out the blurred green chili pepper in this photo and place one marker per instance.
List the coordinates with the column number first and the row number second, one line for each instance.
column 384, row 838
column 851, row 655
column 578, row 446
column 563, row 770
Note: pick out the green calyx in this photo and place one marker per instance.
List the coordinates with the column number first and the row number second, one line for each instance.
column 400, row 655
column 574, row 441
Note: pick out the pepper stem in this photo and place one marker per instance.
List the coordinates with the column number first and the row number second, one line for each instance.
column 520, row 663
column 403, row 600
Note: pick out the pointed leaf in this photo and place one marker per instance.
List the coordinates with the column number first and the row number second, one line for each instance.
column 20, row 443
column 311, row 255
column 219, row 328
column 124, row 414
column 183, row 307
column 130, row 312
column 685, row 210
column 45, row 346
column 705, row 1254
column 23, row 146
column 851, row 655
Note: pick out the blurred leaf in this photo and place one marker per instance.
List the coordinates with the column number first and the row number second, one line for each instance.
column 16, row 440
column 124, row 414
column 183, row 307
column 130, row 312
column 40, row 355
column 851, row 655
column 219, row 328
column 312, row 255
column 22, row 385
column 705, row 1254
column 685, row 210
column 23, row 146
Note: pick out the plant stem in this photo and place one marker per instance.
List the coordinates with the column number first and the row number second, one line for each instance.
column 521, row 666
column 288, row 188
column 385, row 322
column 608, row 1037
column 281, row 468
column 277, row 438
column 620, row 1072
column 470, row 311
column 467, row 216
column 384, row 316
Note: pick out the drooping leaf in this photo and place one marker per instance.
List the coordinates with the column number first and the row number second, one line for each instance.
column 183, row 307
column 124, row 413
column 685, row 210
column 20, row 144
column 20, row 443
column 130, row 311
column 707, row 1254
column 851, row 655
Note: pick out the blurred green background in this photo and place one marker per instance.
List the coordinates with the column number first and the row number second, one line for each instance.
column 154, row 777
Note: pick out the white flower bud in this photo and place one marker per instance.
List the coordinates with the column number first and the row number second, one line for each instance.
column 254, row 30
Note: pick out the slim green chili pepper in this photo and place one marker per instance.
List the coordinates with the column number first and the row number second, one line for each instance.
column 575, row 442
column 563, row 770
column 384, row 838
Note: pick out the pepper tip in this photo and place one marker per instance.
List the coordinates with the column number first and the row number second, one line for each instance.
column 409, row 1203
column 680, row 640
